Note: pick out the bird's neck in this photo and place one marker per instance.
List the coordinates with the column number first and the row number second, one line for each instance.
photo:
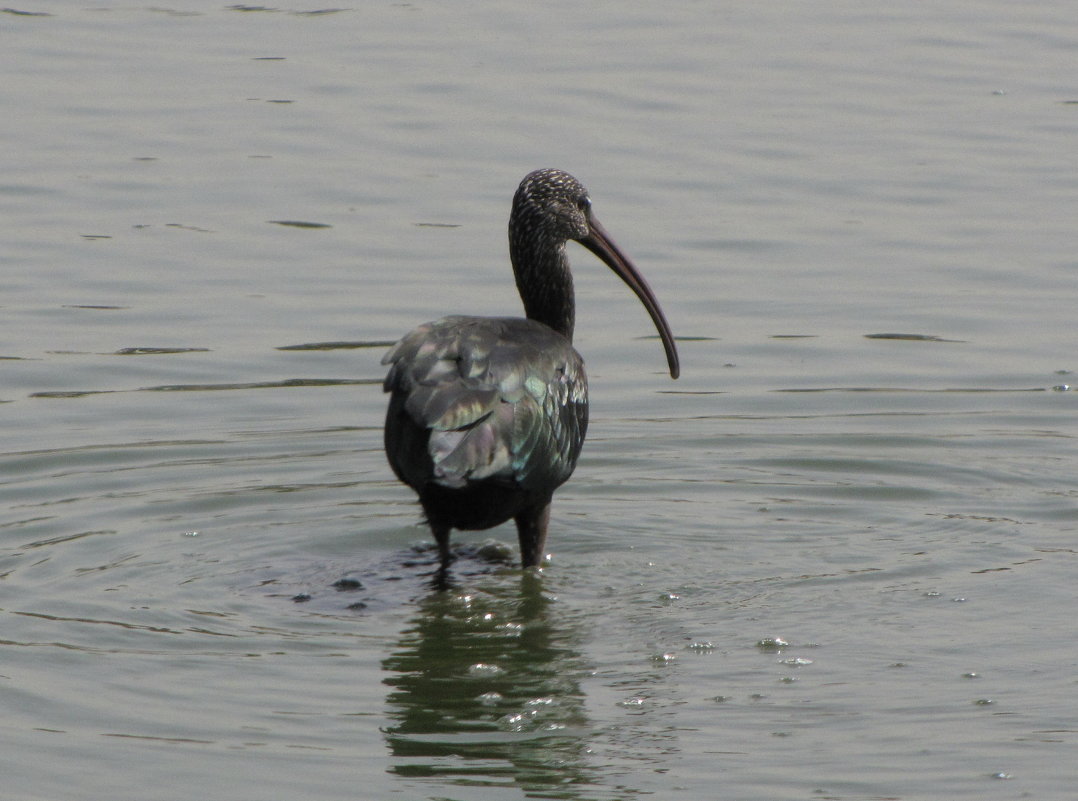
column 545, row 284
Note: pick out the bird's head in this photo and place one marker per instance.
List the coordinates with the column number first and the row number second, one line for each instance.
column 553, row 204
column 550, row 207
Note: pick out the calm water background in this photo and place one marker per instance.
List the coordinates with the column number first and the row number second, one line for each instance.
column 901, row 512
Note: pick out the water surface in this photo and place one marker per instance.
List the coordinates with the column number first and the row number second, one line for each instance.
column 834, row 560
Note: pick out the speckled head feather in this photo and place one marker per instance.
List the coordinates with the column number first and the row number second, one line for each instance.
column 550, row 206
column 554, row 202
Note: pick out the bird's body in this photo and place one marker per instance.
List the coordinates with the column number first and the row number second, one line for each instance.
column 487, row 415
column 486, row 418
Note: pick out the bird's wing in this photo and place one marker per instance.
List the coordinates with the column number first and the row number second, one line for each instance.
column 504, row 399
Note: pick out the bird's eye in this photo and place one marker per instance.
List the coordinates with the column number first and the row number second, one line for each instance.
column 584, row 204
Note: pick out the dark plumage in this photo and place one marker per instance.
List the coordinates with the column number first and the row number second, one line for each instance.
column 487, row 415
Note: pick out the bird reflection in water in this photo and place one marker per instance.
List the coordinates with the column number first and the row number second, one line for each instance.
column 485, row 691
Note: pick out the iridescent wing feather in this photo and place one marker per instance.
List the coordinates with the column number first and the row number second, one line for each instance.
column 503, row 400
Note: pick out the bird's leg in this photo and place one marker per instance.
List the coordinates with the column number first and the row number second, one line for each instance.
column 441, row 536
column 531, row 530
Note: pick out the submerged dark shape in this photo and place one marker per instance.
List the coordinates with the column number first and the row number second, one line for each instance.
column 487, row 415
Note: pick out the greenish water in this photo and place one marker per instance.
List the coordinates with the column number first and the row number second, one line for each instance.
column 834, row 560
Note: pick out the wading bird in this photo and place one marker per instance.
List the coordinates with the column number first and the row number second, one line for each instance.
column 487, row 415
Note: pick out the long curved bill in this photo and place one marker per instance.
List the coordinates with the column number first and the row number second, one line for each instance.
column 599, row 242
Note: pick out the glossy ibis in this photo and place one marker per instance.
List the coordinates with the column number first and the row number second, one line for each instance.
column 487, row 415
